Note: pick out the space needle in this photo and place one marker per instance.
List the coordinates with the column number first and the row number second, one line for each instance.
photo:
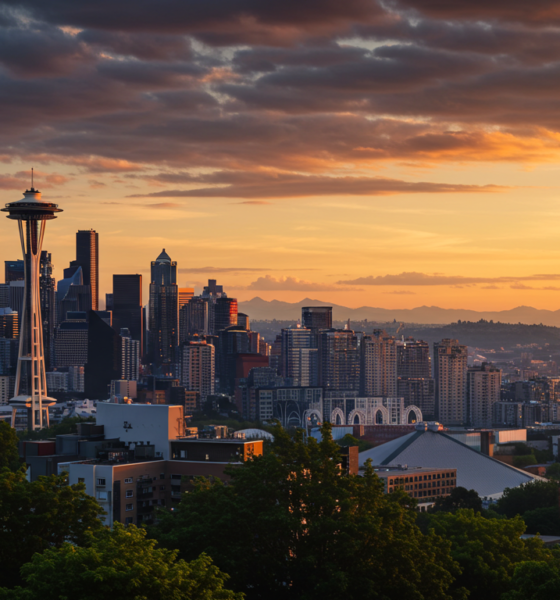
column 32, row 214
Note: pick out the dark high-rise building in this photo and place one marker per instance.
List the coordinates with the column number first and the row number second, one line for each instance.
column 14, row 270
column 87, row 257
column 419, row 392
column 127, row 306
column 47, row 291
column 9, row 324
column 339, row 360
column 164, row 310
column 298, row 358
column 109, row 301
column 72, row 295
column 71, row 340
column 225, row 313
column 413, row 359
column 231, row 341
column 316, row 318
column 193, row 318
column 104, row 361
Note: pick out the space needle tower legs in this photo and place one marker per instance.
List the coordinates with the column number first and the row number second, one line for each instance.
column 31, row 213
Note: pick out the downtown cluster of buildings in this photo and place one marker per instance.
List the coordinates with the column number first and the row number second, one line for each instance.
column 184, row 349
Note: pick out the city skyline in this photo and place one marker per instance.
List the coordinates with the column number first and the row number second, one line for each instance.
column 392, row 155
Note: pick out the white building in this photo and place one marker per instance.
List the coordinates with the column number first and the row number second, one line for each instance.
column 130, row 357
column 155, row 424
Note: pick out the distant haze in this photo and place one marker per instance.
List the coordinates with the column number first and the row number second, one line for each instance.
column 259, row 309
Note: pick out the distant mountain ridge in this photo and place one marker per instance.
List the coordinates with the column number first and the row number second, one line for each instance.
column 259, row 309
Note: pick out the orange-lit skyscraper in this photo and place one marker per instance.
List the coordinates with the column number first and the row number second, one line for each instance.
column 87, row 257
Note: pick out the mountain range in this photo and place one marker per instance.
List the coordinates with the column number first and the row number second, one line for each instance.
column 264, row 310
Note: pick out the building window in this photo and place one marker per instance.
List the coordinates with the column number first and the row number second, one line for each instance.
column 128, row 479
column 101, row 482
column 81, row 480
column 130, row 507
column 129, row 493
column 128, row 521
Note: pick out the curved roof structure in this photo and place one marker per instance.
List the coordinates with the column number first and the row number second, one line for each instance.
column 477, row 471
column 256, row 434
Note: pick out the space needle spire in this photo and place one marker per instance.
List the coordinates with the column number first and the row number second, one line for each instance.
column 31, row 213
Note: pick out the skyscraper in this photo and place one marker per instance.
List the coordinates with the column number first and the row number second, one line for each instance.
column 415, row 383
column 316, row 318
column 130, row 356
column 338, row 360
column 450, row 374
column 193, row 318
column 14, row 270
column 298, row 357
column 198, row 368
column 47, row 285
column 164, row 310
column 483, row 391
column 379, row 365
column 225, row 313
column 87, row 257
column 30, row 389
column 103, row 358
column 127, row 306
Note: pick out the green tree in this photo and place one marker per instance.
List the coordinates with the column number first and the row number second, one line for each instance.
column 553, row 472
column 529, row 496
column 68, row 425
column 9, row 455
column 545, row 521
column 120, row 563
column 460, row 497
column 534, row 580
column 39, row 515
column 487, row 550
column 290, row 524
column 350, row 440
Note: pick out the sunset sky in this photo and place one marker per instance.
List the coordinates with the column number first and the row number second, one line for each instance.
column 390, row 154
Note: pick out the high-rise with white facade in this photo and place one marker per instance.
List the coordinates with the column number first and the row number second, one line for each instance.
column 483, row 391
column 379, row 365
column 198, row 368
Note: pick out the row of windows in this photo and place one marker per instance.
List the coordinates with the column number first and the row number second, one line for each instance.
column 429, row 477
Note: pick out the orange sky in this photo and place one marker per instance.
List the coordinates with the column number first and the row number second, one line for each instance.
column 356, row 154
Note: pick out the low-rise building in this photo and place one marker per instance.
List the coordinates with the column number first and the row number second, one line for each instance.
column 423, row 483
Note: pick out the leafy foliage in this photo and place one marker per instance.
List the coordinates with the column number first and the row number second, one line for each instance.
column 553, row 471
column 122, row 564
column 545, row 521
column 350, row 440
column 290, row 524
column 460, row 497
column 529, row 496
column 9, row 455
column 488, row 550
column 38, row 515
column 534, row 580
column 68, row 425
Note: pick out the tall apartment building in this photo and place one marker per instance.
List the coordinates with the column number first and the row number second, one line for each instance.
column 316, row 318
column 87, row 257
column 231, row 342
column 379, row 365
column 185, row 294
column 338, row 360
column 450, row 374
column 127, row 306
column 130, row 356
column 198, row 368
column 483, row 392
column 414, row 373
column 6, row 389
column 298, row 359
column 164, row 310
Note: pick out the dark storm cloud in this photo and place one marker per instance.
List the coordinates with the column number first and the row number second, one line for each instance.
column 311, row 87
column 541, row 12
column 215, row 21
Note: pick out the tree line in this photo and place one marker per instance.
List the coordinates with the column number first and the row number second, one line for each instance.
column 287, row 525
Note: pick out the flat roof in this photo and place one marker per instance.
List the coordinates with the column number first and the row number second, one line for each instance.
column 392, row 470
column 215, row 440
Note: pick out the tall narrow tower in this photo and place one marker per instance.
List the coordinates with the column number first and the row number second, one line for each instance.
column 31, row 213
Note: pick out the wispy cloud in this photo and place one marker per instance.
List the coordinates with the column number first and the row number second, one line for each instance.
column 422, row 279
